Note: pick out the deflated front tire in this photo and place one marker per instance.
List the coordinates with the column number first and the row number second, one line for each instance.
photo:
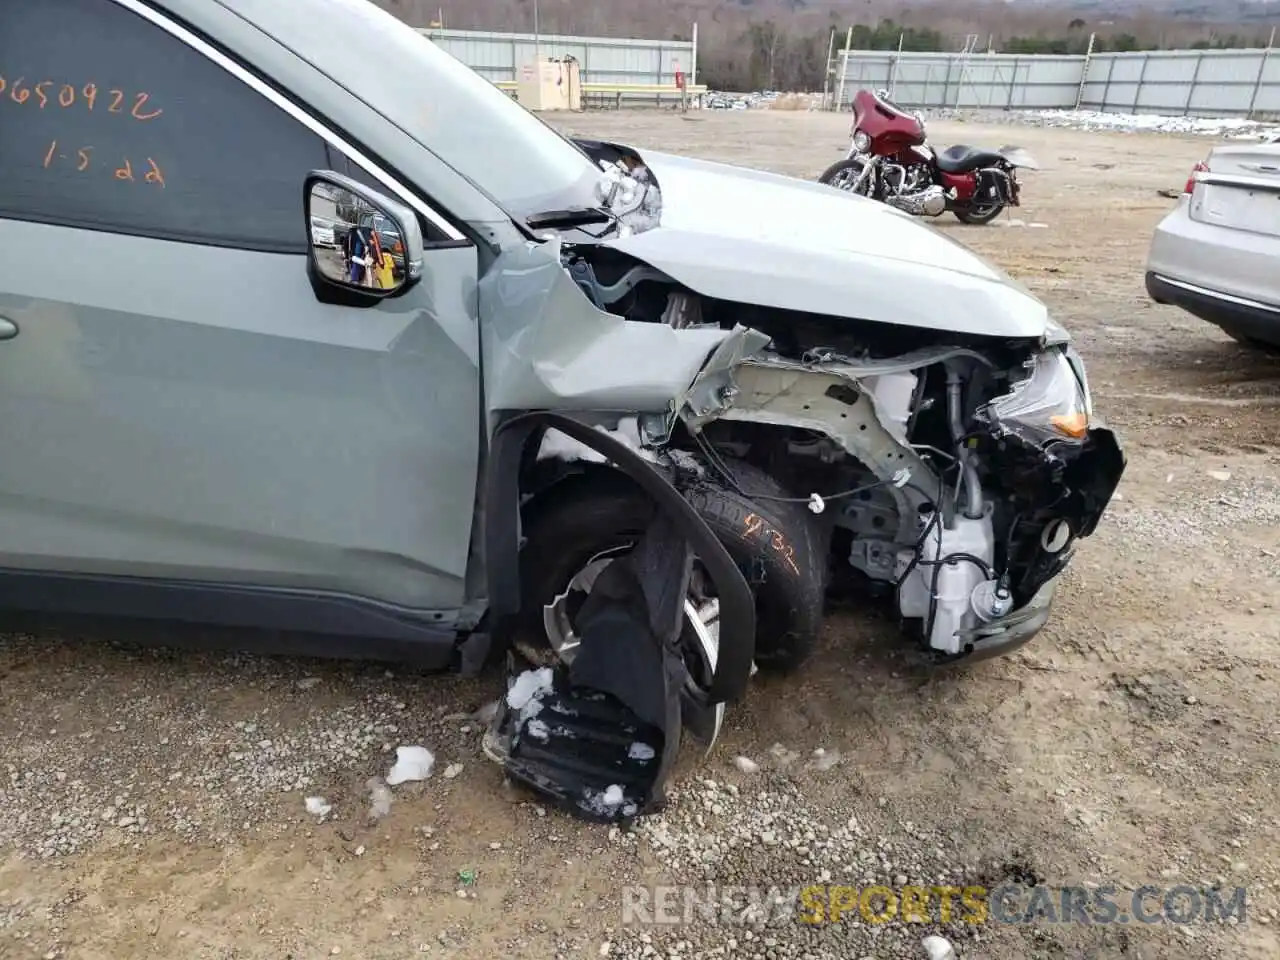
column 777, row 546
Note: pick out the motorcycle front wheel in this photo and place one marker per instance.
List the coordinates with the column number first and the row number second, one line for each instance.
column 844, row 174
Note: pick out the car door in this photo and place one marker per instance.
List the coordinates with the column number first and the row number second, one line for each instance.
column 177, row 404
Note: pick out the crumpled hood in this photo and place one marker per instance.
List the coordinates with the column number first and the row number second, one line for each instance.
column 753, row 237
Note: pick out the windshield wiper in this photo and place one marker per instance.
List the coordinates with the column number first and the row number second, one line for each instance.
column 569, row 217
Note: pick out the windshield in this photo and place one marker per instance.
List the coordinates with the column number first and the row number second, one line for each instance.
column 509, row 153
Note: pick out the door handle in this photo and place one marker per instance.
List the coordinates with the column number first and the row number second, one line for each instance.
column 8, row 329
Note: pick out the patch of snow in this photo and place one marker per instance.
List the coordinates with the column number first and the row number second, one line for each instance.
column 556, row 445
column 641, row 751
column 1231, row 127
column 606, row 802
column 537, row 729
column 379, row 798
column 318, row 806
column 412, row 763
column 822, row 760
column 525, row 695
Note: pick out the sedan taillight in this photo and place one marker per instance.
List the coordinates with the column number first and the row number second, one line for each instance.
column 1201, row 167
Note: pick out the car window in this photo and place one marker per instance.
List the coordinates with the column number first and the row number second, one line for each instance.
column 107, row 122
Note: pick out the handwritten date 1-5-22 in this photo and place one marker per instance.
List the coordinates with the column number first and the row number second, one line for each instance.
column 49, row 92
column 83, row 160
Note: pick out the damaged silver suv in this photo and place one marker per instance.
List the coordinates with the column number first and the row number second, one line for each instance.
column 213, row 415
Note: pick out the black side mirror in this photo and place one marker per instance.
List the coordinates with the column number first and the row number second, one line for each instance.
column 364, row 246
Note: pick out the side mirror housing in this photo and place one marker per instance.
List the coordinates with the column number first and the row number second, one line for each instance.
column 363, row 246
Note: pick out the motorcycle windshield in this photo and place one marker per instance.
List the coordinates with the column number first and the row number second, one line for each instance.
column 1018, row 157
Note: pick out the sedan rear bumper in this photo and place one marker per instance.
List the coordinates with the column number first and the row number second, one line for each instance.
column 1239, row 316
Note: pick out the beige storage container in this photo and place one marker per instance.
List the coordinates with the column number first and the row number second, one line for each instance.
column 550, row 84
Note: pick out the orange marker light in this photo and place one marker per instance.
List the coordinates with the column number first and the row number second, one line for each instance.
column 1074, row 425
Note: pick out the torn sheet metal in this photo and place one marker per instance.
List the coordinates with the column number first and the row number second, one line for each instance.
column 547, row 347
column 714, row 389
column 556, row 446
column 830, row 401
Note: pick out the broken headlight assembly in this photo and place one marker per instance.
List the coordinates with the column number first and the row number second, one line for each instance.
column 1051, row 403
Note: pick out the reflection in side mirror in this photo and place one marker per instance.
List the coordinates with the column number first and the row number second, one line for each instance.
column 361, row 240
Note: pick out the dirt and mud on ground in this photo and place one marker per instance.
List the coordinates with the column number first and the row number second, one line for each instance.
column 152, row 802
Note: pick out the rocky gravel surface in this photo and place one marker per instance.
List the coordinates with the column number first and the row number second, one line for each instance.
column 157, row 801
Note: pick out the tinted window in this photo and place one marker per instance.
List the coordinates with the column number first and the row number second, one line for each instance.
column 108, row 122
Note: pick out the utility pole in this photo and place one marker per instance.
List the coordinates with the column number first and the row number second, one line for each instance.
column 1084, row 75
column 1262, row 70
column 826, row 73
column 537, row 37
column 844, row 67
column 693, row 67
column 893, row 67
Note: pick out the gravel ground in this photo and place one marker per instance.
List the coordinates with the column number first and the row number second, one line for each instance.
column 153, row 800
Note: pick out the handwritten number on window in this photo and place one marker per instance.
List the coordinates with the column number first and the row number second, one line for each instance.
column 153, row 174
column 19, row 93
column 138, row 102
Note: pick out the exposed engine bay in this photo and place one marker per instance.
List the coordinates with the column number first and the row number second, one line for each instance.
column 953, row 472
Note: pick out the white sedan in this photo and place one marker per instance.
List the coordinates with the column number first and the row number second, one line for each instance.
column 322, row 233
column 1217, row 253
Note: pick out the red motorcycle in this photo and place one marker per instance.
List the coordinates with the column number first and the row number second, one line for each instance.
column 890, row 161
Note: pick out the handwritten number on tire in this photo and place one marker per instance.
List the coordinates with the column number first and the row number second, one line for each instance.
column 753, row 525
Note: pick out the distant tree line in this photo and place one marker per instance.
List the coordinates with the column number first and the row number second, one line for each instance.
column 783, row 44
column 767, row 56
column 1076, row 40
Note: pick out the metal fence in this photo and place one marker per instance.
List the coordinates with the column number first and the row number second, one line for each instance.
column 499, row 56
column 952, row 80
column 1217, row 83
